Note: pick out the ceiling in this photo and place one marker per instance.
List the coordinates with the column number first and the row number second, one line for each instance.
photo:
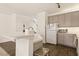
column 33, row 8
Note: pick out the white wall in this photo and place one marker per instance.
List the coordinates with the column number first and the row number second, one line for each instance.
column 20, row 20
column 11, row 25
column 5, row 24
column 41, row 22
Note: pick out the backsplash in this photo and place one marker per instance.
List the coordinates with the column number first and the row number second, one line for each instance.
column 72, row 30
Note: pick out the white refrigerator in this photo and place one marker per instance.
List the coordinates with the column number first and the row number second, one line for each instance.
column 51, row 33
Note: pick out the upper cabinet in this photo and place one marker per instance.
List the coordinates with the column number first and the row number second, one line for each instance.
column 61, row 20
column 75, row 19
column 67, row 18
column 52, row 19
column 55, row 19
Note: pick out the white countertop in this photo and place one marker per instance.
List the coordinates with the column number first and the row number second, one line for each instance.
column 72, row 30
column 24, row 36
column 18, row 36
column 77, row 34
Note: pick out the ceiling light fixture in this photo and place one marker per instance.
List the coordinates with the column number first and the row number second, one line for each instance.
column 58, row 5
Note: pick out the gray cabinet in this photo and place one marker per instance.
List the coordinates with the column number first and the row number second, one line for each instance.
column 61, row 20
column 75, row 19
column 50, row 19
column 69, row 40
column 66, row 39
column 53, row 19
column 60, row 38
column 67, row 18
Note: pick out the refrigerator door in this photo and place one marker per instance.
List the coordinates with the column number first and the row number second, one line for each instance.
column 51, row 37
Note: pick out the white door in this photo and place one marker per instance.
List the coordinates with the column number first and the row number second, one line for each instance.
column 51, row 37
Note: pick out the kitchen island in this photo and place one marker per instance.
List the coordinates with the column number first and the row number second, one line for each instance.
column 24, row 45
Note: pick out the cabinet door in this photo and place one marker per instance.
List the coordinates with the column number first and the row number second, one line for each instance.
column 75, row 19
column 60, row 38
column 67, row 18
column 55, row 19
column 61, row 20
column 50, row 19
column 68, row 40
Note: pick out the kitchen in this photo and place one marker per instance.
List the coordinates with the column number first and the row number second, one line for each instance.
column 64, row 27
column 58, row 26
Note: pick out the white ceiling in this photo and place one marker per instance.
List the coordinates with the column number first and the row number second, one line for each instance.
column 33, row 8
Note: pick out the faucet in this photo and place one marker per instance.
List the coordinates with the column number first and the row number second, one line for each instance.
column 31, row 29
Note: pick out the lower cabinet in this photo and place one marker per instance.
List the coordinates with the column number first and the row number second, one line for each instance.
column 69, row 40
column 66, row 39
column 60, row 38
